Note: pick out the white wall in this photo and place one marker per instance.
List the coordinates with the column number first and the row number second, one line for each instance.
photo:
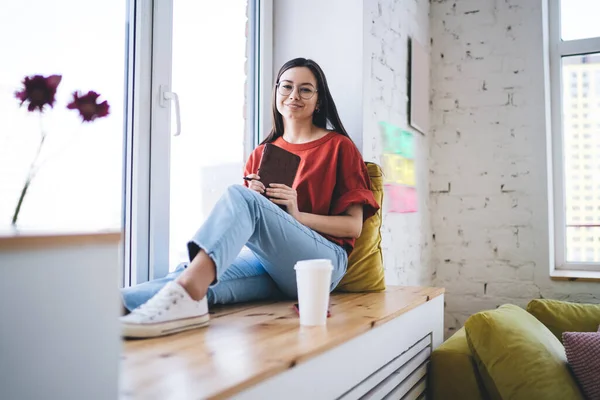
column 387, row 28
column 329, row 32
column 488, row 158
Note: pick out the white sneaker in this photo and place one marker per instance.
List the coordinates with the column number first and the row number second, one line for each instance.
column 171, row 310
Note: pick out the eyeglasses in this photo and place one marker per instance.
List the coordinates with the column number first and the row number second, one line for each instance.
column 306, row 91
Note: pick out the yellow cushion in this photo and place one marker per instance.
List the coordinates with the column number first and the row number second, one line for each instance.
column 365, row 264
column 563, row 316
column 518, row 357
column 452, row 371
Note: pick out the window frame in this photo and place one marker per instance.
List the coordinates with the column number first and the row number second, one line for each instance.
column 557, row 50
column 260, row 69
column 137, row 144
column 146, row 228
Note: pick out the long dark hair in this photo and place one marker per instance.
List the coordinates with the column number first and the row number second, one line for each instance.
column 327, row 112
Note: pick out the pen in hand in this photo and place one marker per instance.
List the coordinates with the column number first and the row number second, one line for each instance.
column 253, row 183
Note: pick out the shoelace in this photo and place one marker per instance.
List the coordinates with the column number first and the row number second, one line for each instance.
column 157, row 304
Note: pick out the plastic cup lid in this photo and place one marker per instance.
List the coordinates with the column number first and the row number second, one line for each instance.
column 314, row 264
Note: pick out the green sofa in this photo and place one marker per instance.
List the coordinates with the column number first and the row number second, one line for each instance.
column 510, row 353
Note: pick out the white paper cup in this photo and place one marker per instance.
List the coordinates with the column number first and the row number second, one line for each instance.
column 314, row 280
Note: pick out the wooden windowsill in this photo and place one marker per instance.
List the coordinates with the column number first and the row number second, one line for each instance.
column 248, row 343
column 15, row 239
column 575, row 275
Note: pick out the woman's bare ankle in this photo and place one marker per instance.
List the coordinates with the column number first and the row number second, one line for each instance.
column 198, row 276
column 195, row 292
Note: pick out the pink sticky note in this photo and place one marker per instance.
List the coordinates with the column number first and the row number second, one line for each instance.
column 402, row 199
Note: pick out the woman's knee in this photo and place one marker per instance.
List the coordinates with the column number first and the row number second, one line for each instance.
column 241, row 193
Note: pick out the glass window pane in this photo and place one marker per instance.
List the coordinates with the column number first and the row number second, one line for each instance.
column 579, row 19
column 209, row 76
column 79, row 182
column 583, row 244
column 581, row 152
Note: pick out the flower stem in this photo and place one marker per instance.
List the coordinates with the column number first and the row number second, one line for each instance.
column 30, row 175
column 23, row 192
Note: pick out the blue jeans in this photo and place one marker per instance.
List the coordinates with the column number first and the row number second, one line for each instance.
column 254, row 245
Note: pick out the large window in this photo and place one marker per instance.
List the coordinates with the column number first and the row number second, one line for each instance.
column 77, row 175
column 201, row 66
column 208, row 155
column 185, row 81
column 575, row 87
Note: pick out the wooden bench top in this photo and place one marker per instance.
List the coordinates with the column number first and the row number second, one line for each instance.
column 248, row 343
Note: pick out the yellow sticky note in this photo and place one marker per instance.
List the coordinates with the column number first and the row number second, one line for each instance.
column 399, row 170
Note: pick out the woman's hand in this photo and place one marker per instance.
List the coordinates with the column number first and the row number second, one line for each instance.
column 255, row 184
column 285, row 196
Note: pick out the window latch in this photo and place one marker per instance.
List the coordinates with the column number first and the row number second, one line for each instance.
column 164, row 97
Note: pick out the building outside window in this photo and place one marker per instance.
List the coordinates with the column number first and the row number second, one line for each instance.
column 575, row 80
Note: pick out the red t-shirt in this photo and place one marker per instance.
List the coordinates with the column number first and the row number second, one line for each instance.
column 332, row 176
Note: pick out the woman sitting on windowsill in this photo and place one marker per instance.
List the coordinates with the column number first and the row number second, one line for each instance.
column 248, row 246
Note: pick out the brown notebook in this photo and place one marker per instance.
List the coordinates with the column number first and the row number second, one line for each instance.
column 277, row 166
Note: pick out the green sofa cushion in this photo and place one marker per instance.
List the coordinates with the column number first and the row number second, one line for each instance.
column 563, row 316
column 452, row 371
column 518, row 358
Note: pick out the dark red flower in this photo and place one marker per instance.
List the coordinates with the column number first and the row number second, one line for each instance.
column 39, row 91
column 87, row 106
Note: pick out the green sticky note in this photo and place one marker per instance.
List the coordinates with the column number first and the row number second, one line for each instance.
column 396, row 140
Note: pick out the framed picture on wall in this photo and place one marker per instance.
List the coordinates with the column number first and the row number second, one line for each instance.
column 418, row 87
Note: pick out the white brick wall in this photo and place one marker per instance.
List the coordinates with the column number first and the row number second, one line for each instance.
column 387, row 26
column 489, row 206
